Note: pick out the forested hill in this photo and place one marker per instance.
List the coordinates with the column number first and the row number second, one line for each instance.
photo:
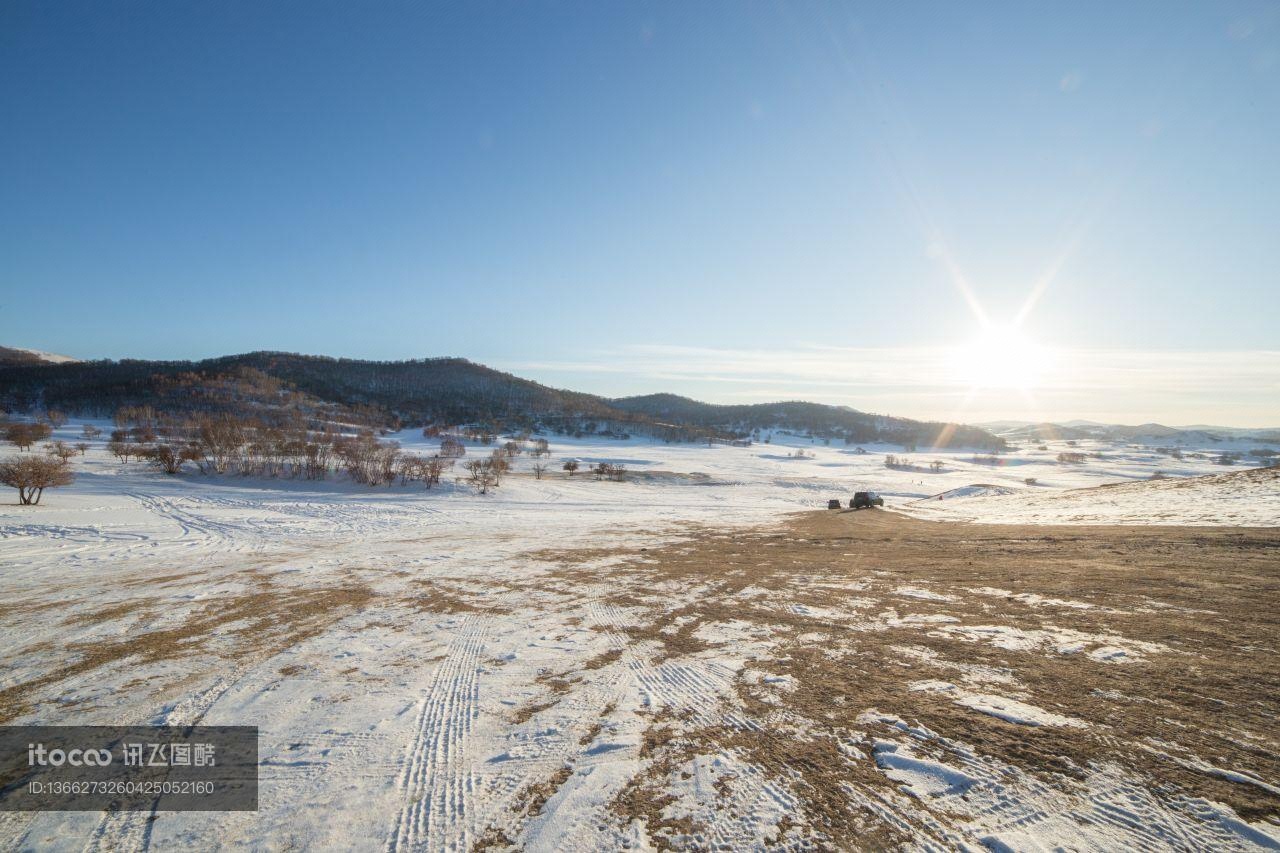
column 800, row 417
column 437, row 390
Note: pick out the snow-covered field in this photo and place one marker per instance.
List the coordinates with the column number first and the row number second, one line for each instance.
column 425, row 678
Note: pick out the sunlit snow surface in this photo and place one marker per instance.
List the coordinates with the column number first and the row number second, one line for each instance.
column 395, row 731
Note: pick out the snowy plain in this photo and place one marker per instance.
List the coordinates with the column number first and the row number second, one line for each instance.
column 401, row 680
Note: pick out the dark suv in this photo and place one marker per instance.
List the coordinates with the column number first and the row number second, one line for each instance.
column 865, row 500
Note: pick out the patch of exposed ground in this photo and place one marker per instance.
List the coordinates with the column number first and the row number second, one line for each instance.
column 1150, row 649
column 255, row 622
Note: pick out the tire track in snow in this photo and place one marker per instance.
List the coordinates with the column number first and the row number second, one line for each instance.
column 193, row 526
column 437, row 776
column 13, row 829
column 700, row 691
column 131, row 831
column 1110, row 811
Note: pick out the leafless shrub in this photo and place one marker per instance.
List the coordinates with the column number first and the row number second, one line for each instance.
column 170, row 459
column 451, row 448
column 61, row 450
column 31, row 475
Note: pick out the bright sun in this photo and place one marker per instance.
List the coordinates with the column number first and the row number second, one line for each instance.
column 1001, row 357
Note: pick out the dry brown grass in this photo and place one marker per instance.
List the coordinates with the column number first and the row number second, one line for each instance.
column 1208, row 596
column 253, row 624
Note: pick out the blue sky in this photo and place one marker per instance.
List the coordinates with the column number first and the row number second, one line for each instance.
column 629, row 197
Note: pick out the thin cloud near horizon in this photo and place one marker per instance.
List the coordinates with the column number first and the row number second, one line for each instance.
column 1235, row 388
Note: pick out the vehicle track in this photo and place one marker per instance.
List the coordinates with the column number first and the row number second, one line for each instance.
column 437, row 776
column 131, row 831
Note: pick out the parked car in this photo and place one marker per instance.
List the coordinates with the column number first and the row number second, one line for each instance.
column 865, row 500
column 834, row 503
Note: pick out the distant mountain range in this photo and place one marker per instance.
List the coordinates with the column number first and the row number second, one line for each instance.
column 1144, row 433
column 437, row 390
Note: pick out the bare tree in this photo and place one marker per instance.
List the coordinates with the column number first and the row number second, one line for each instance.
column 500, row 463
column 83, row 447
column 432, row 468
column 540, row 448
column 539, row 469
column 451, row 448
column 90, row 432
column 55, row 418
column 124, row 450
column 31, row 475
column 482, row 474
column 61, row 450
column 409, row 468
column 570, row 465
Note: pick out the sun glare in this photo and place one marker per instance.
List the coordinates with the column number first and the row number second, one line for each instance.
column 1001, row 357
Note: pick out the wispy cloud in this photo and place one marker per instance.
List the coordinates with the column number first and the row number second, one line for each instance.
column 1239, row 387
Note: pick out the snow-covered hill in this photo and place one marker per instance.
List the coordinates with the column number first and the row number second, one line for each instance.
column 21, row 355
column 1250, row 497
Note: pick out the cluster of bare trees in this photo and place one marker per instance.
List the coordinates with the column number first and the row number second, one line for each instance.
column 902, row 463
column 606, row 471
column 224, row 443
column 367, row 460
column 22, row 434
column 1071, row 457
column 424, row 469
column 451, row 447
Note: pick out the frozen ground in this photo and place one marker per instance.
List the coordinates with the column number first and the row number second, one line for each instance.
column 427, row 676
